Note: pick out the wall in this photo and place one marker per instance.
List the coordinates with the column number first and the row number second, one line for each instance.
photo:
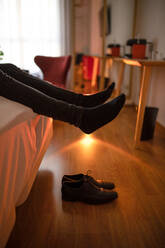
column 121, row 20
column 95, row 38
column 150, row 24
column 82, row 27
column 122, row 12
column 87, row 29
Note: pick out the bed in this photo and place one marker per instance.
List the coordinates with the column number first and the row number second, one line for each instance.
column 24, row 138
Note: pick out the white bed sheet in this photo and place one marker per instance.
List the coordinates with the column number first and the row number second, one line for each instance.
column 13, row 113
column 24, row 138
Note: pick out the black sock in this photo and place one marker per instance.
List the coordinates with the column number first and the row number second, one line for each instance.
column 96, row 99
column 94, row 118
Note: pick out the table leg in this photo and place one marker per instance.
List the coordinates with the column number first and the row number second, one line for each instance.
column 120, row 80
column 142, row 103
column 94, row 73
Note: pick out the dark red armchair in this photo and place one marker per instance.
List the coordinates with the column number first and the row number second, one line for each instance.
column 55, row 69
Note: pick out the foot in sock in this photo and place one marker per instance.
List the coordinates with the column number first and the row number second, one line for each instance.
column 98, row 98
column 94, row 118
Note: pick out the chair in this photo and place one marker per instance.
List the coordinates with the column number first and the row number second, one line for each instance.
column 55, row 69
column 91, row 68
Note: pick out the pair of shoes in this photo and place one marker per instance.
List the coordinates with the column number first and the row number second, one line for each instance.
column 81, row 177
column 85, row 188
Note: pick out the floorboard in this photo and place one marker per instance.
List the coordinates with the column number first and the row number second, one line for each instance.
column 135, row 220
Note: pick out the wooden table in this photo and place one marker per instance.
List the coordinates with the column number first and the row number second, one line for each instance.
column 146, row 67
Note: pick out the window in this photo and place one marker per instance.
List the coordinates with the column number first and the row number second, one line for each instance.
column 29, row 28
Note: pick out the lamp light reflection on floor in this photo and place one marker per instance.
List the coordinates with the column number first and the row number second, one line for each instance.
column 87, row 140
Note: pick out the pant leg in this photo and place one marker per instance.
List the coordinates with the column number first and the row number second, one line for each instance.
column 41, row 85
column 38, row 101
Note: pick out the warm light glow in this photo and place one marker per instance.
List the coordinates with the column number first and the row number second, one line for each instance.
column 87, row 140
column 124, row 153
column 131, row 62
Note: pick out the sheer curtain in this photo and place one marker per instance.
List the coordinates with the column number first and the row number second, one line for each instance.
column 29, row 28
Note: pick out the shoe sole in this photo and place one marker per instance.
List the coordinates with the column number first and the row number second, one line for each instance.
column 90, row 201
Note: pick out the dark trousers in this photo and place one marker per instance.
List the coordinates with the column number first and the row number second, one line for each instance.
column 41, row 85
column 42, row 97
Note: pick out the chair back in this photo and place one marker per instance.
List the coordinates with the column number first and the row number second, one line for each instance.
column 54, row 69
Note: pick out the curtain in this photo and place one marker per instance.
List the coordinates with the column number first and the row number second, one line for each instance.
column 66, row 29
column 31, row 27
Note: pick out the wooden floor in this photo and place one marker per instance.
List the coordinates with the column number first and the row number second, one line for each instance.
column 135, row 220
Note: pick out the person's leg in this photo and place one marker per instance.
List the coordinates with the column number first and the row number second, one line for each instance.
column 56, row 92
column 87, row 119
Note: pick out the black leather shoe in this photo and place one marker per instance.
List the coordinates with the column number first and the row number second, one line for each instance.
column 98, row 183
column 86, row 192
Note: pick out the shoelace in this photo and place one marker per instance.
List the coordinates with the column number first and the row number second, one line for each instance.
column 89, row 172
column 87, row 179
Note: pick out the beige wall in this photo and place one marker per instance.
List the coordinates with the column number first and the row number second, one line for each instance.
column 122, row 12
column 151, row 25
column 95, row 38
column 121, row 20
column 87, row 29
column 82, row 27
